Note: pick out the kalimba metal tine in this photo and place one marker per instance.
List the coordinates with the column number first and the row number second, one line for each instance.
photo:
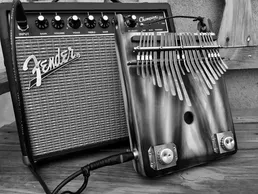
column 214, row 54
column 161, row 60
column 210, row 56
column 151, row 61
column 199, row 58
column 139, row 56
column 170, row 79
column 178, row 55
column 183, row 55
column 188, row 61
column 155, row 43
column 219, row 57
column 172, row 59
column 206, row 58
column 147, row 55
column 198, row 64
column 143, row 56
column 221, row 62
column 192, row 62
column 187, row 99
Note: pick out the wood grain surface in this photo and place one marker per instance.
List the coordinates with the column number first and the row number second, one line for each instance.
column 237, row 28
column 235, row 174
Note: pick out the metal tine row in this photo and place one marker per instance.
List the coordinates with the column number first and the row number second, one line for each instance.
column 217, row 55
column 194, row 65
column 164, row 67
column 212, row 54
column 175, row 66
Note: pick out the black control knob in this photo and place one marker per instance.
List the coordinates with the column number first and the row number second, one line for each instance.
column 130, row 21
column 41, row 22
column 90, row 21
column 57, row 22
column 74, row 22
column 104, row 21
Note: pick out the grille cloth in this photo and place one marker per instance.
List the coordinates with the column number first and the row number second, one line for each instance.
column 80, row 104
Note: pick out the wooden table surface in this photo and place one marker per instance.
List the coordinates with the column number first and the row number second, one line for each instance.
column 235, row 174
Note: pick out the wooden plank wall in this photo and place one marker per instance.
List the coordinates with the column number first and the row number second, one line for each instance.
column 237, row 28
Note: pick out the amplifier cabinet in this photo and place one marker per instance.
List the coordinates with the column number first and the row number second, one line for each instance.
column 65, row 84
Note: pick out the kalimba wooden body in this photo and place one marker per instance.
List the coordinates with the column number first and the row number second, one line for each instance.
column 177, row 108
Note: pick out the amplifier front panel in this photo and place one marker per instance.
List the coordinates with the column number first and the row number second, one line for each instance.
column 79, row 104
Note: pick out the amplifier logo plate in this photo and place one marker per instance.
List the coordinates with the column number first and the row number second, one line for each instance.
column 44, row 68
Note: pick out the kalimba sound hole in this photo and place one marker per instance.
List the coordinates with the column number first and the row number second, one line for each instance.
column 188, row 117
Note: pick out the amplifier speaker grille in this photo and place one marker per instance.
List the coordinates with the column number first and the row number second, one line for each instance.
column 79, row 105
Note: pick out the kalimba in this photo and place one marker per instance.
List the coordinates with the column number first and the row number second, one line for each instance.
column 175, row 99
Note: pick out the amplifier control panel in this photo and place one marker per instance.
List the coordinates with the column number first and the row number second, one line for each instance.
column 76, row 23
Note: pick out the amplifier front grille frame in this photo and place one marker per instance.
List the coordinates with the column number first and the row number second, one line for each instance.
column 70, row 121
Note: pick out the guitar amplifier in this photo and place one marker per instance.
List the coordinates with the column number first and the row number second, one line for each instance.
column 65, row 87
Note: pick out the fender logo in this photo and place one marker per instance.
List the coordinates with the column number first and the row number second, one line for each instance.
column 44, row 68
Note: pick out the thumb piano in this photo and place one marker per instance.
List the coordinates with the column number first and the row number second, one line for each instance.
column 175, row 98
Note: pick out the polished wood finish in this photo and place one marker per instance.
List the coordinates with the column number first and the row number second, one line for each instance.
column 235, row 174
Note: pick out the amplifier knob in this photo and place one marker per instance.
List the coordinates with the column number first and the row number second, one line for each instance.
column 104, row 21
column 57, row 22
column 131, row 21
column 74, row 22
column 90, row 21
column 41, row 22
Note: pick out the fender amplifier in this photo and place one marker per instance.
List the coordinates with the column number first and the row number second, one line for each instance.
column 65, row 84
